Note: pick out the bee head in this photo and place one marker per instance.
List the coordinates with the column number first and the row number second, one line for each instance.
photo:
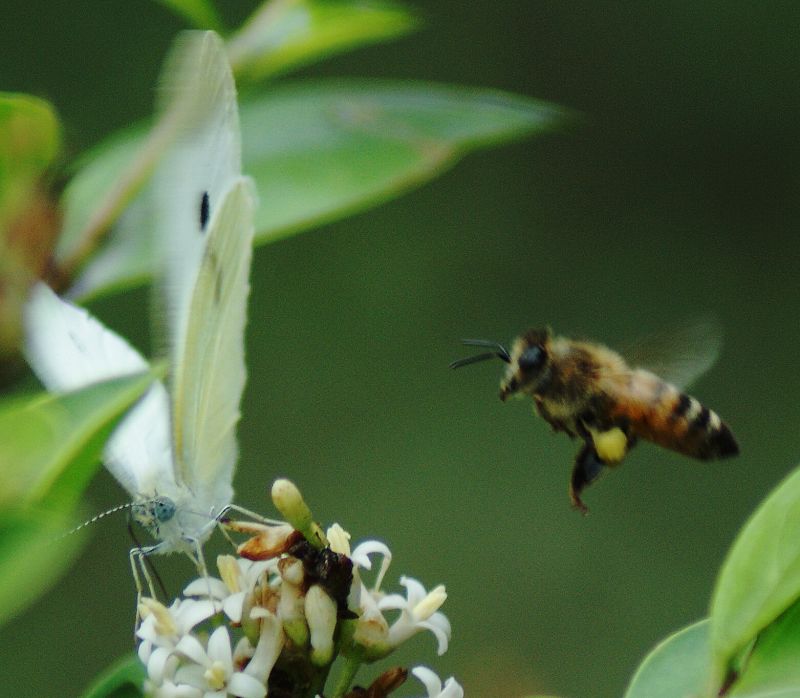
column 528, row 359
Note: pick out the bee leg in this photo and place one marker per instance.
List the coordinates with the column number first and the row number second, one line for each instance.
column 586, row 470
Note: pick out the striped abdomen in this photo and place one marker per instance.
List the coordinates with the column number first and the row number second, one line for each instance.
column 659, row 412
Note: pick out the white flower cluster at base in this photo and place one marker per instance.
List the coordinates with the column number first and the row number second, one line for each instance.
column 283, row 620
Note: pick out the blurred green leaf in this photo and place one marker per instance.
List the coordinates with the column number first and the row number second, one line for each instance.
column 678, row 667
column 201, row 13
column 33, row 554
column 319, row 151
column 760, row 578
column 286, row 34
column 30, row 140
column 98, row 176
column 123, row 679
column 773, row 667
column 50, row 445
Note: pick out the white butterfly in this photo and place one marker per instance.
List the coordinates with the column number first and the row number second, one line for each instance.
column 175, row 451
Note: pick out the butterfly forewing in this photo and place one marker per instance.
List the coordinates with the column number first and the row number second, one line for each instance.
column 210, row 375
column 198, row 92
column 206, row 250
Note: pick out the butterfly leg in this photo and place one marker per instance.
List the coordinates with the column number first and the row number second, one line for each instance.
column 248, row 513
column 138, row 565
column 586, row 470
column 199, row 560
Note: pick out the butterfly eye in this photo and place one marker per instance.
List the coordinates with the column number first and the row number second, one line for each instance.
column 163, row 508
column 531, row 359
column 205, row 211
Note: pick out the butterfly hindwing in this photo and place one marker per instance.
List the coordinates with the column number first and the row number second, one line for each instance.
column 69, row 349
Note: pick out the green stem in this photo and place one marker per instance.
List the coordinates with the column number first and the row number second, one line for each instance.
column 348, row 673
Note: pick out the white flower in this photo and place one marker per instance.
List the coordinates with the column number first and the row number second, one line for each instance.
column 163, row 628
column 212, row 669
column 418, row 611
column 160, row 678
column 171, row 690
column 451, row 689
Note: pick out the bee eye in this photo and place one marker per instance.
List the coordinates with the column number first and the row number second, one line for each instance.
column 531, row 359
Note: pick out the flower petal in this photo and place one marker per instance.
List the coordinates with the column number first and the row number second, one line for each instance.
column 442, row 636
column 232, row 606
column 392, row 602
column 193, row 612
column 208, row 587
column 452, row 689
column 429, row 679
column 219, row 648
column 156, row 665
column 190, row 646
column 245, row 686
column 270, row 643
column 415, row 592
column 360, row 558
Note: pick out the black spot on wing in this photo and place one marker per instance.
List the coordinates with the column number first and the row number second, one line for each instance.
column 205, row 211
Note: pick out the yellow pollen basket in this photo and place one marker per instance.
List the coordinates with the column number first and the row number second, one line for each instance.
column 611, row 445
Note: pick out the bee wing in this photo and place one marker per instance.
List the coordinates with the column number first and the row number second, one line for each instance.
column 679, row 354
column 204, row 218
column 68, row 349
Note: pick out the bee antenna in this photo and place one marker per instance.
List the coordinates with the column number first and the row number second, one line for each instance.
column 95, row 518
column 499, row 352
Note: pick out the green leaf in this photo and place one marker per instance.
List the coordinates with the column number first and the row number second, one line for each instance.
column 30, row 139
column 201, row 13
column 33, row 554
column 50, row 445
column 773, row 667
column 123, row 679
column 678, row 667
column 286, row 34
column 760, row 578
column 321, row 150
column 99, row 185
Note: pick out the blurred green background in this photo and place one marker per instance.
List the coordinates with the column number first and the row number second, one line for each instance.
column 676, row 195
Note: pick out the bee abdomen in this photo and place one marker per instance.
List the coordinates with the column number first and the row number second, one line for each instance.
column 700, row 431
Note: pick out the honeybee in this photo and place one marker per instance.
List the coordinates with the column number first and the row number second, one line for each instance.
column 591, row 393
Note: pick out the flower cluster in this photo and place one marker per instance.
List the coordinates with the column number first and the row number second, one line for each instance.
column 281, row 612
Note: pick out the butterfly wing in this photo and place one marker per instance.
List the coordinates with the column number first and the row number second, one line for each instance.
column 204, row 217
column 209, row 379
column 198, row 92
column 69, row 349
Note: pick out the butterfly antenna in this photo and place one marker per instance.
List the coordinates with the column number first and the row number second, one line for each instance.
column 499, row 351
column 147, row 561
column 95, row 518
